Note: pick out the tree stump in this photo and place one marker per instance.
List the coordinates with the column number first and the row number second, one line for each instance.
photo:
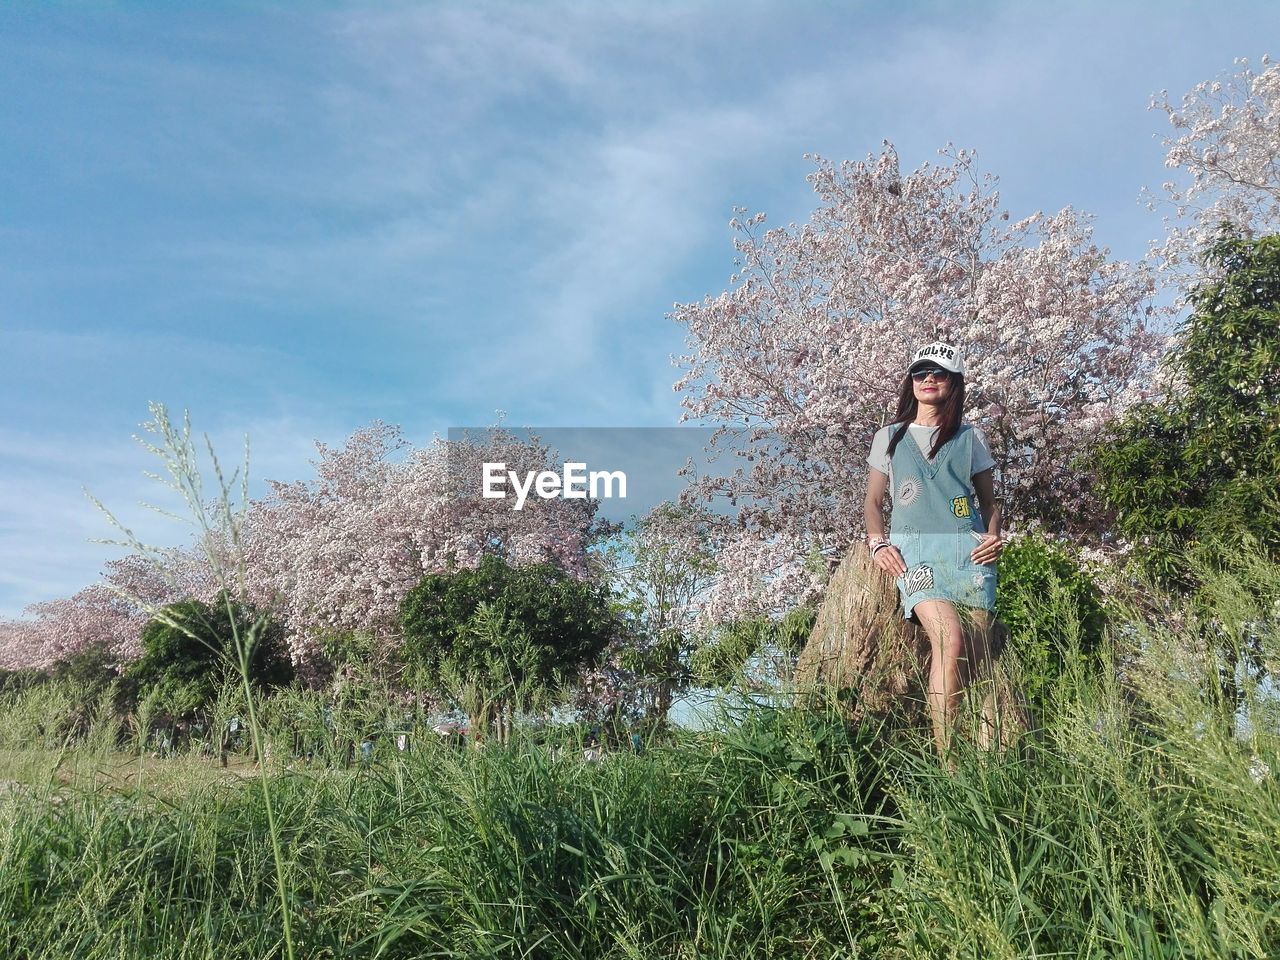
column 877, row 663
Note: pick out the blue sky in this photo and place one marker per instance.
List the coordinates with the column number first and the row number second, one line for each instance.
column 293, row 219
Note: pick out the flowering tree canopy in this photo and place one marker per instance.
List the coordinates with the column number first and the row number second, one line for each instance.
column 339, row 554
column 333, row 555
column 1228, row 150
column 109, row 614
column 806, row 351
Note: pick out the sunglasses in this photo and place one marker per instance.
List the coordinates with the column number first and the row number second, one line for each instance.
column 923, row 372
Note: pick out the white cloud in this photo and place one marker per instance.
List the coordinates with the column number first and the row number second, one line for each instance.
column 503, row 198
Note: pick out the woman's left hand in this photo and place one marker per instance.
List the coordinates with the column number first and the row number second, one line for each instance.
column 988, row 551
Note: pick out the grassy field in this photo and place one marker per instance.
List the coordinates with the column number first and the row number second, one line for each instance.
column 1136, row 824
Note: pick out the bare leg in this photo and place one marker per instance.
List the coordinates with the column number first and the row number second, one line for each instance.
column 941, row 624
column 982, row 670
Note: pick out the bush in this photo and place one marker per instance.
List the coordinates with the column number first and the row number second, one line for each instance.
column 753, row 645
column 1196, row 473
column 1050, row 606
column 94, row 670
column 190, row 651
column 532, row 624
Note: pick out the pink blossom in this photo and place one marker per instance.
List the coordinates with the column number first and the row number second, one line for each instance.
column 812, row 337
column 1229, row 158
column 340, row 553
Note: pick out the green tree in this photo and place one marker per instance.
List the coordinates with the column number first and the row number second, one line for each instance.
column 661, row 568
column 1192, row 480
column 1199, row 471
column 497, row 630
column 189, row 651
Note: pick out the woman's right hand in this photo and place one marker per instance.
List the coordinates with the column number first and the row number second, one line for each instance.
column 890, row 561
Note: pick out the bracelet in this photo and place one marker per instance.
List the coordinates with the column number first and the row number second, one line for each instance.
column 877, row 544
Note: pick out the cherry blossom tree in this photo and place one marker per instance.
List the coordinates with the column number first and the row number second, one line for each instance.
column 340, row 553
column 1227, row 157
column 336, row 554
column 800, row 360
column 109, row 614
column 15, row 646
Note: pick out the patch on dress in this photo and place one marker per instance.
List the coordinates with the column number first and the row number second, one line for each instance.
column 919, row 579
column 980, row 580
column 908, row 491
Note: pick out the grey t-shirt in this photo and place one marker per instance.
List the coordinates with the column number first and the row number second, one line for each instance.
column 923, row 436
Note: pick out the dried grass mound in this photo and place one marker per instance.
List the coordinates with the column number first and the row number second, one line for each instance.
column 861, row 647
column 861, row 644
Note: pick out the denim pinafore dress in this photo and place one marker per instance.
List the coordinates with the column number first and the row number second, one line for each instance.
column 935, row 525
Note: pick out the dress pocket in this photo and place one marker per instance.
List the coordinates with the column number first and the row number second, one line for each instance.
column 978, row 537
column 908, row 544
column 977, row 581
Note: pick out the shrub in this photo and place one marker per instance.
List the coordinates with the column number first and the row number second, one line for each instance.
column 761, row 647
column 502, row 626
column 1192, row 480
column 1050, row 606
column 190, row 651
column 1197, row 473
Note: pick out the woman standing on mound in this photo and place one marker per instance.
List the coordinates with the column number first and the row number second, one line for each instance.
column 944, row 545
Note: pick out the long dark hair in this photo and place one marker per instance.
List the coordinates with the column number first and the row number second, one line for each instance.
column 908, row 406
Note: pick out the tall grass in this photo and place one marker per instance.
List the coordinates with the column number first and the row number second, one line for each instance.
column 702, row 847
column 218, row 527
column 1133, row 824
column 1138, row 825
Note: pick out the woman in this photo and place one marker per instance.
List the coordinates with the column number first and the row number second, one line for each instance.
column 944, row 546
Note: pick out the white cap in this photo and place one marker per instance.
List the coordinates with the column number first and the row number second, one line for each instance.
column 942, row 354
